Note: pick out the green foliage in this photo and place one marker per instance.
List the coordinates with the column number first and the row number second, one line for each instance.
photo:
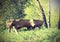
column 32, row 10
column 26, row 9
column 42, row 35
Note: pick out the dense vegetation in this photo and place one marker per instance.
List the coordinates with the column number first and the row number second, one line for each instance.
column 42, row 35
column 28, row 9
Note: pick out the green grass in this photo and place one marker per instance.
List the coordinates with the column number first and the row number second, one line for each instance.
column 42, row 35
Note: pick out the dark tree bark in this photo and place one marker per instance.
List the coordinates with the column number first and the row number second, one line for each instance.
column 59, row 13
column 59, row 20
column 49, row 22
column 43, row 14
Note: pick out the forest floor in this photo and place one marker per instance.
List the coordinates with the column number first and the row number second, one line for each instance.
column 42, row 35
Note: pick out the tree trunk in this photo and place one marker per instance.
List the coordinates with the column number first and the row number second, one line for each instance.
column 59, row 19
column 49, row 21
column 43, row 14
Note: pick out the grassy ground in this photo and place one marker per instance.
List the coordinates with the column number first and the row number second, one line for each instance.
column 42, row 35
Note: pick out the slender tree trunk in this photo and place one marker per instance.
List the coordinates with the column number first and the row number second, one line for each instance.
column 59, row 19
column 49, row 21
column 43, row 14
column 59, row 14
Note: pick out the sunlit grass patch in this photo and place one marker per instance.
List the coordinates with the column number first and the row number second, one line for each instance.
column 42, row 35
